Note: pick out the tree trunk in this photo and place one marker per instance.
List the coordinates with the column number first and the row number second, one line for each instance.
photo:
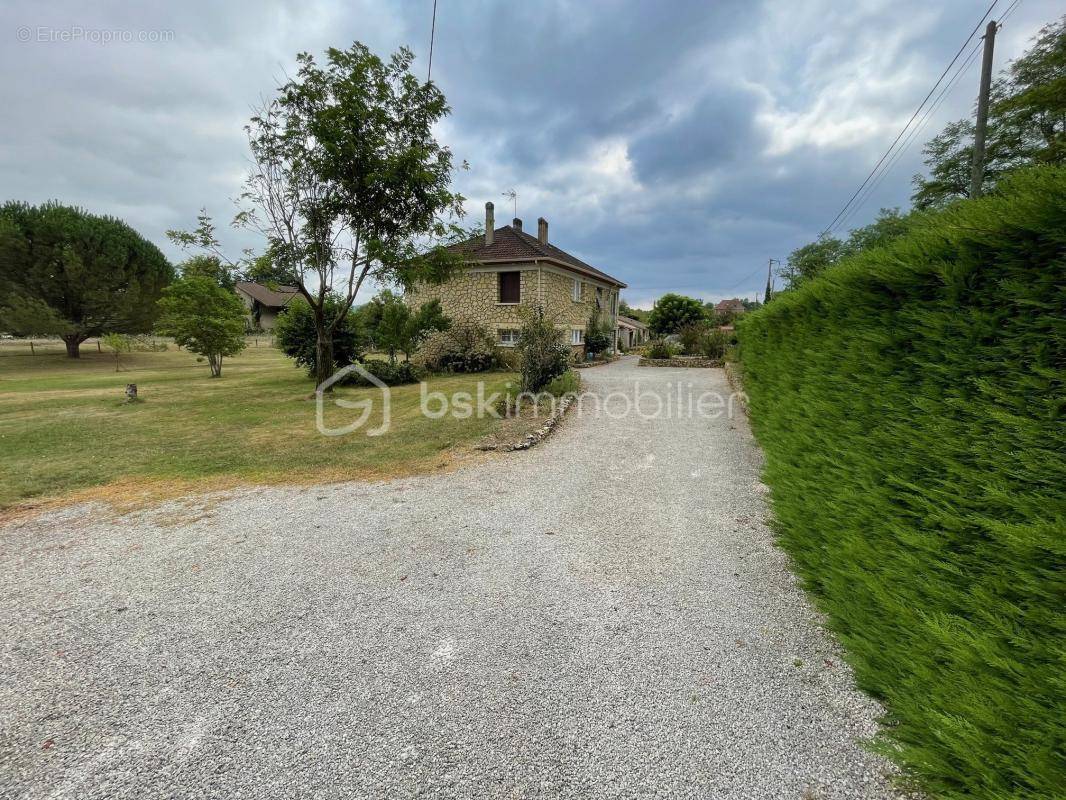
column 323, row 355
column 216, row 365
column 73, row 342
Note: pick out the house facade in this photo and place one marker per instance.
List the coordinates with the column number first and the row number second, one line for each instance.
column 263, row 303
column 507, row 269
column 631, row 332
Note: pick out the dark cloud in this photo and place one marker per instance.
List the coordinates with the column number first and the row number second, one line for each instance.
column 677, row 145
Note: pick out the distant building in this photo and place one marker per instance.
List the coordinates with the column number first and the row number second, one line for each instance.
column 733, row 306
column 263, row 303
column 631, row 332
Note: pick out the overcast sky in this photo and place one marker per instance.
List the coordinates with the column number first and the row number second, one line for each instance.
column 676, row 145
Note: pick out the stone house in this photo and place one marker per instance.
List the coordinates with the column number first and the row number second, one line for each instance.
column 631, row 332
column 734, row 306
column 507, row 269
column 263, row 303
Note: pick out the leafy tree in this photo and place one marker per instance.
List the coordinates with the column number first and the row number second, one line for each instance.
column 626, row 310
column 349, row 183
column 204, row 318
column 77, row 272
column 208, row 266
column 297, row 336
column 810, row 260
column 1026, row 125
column 118, row 343
column 672, row 311
column 542, row 353
column 402, row 330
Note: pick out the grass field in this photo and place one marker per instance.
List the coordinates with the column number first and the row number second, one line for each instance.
column 65, row 428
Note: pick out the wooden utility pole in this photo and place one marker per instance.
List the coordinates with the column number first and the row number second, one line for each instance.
column 978, row 173
column 769, row 274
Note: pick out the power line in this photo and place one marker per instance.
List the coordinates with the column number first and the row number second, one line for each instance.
column 913, row 117
column 926, row 117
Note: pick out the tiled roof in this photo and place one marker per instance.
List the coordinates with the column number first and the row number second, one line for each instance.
column 278, row 297
column 632, row 323
column 511, row 244
column 730, row 305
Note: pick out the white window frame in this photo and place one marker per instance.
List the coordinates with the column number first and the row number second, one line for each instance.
column 576, row 290
column 577, row 336
column 507, row 337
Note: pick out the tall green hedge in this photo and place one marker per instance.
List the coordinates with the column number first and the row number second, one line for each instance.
column 911, row 406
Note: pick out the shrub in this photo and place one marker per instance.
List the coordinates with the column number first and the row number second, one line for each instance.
column 567, row 383
column 660, row 348
column 295, row 334
column 542, row 353
column 674, row 311
column 713, row 344
column 598, row 334
column 910, row 403
column 389, row 373
column 465, row 347
column 690, row 335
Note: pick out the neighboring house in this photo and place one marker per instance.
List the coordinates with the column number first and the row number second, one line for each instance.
column 733, row 306
column 631, row 332
column 263, row 303
column 507, row 268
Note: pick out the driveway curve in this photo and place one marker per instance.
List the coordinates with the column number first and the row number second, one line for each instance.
column 602, row 616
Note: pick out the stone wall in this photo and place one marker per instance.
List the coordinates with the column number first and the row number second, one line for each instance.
column 472, row 295
column 680, row 361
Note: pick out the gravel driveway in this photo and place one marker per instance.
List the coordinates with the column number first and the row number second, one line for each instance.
column 602, row 616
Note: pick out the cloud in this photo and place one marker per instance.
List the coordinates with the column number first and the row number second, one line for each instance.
column 677, row 147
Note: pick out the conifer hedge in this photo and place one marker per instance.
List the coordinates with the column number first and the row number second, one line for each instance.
column 911, row 405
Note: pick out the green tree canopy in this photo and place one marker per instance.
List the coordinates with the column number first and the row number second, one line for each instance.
column 204, row 318
column 401, row 330
column 84, row 273
column 296, row 335
column 673, row 311
column 208, row 266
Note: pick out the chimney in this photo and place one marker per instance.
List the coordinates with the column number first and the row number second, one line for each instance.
column 516, row 223
column 490, row 225
column 542, row 230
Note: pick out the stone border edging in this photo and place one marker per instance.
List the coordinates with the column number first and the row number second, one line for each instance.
column 537, row 436
column 599, row 363
column 689, row 361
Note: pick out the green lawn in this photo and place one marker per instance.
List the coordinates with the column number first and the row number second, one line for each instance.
column 64, row 427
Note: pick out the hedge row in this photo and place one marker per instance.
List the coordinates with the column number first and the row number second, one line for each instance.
column 911, row 406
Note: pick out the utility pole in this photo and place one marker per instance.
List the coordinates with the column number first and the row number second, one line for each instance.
column 978, row 173
column 769, row 275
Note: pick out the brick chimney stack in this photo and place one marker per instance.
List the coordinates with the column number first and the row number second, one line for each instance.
column 542, row 230
column 490, row 224
column 516, row 223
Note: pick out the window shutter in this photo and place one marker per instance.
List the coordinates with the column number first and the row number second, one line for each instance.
column 510, row 287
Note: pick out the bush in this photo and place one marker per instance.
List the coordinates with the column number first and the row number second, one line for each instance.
column 465, row 347
column 713, row 344
column 660, row 348
column 910, row 403
column 690, row 336
column 542, row 353
column 598, row 334
column 295, row 334
column 391, row 374
column 567, row 383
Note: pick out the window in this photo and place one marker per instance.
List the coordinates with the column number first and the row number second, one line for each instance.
column 510, row 287
column 508, row 337
column 599, row 297
column 577, row 336
column 576, row 292
column 614, row 303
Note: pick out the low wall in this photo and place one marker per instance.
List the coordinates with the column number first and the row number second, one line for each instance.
column 680, row 361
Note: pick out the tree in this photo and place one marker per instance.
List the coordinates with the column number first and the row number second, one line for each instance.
column 204, row 318
column 297, row 337
column 78, row 272
column 118, row 343
column 1026, row 125
column 542, row 353
column 626, row 310
column 349, row 183
column 812, row 259
column 401, row 330
column 210, row 267
column 672, row 311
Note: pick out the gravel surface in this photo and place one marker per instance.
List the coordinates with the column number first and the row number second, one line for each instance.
column 603, row 616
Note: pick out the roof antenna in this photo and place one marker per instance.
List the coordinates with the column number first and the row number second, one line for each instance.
column 511, row 193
